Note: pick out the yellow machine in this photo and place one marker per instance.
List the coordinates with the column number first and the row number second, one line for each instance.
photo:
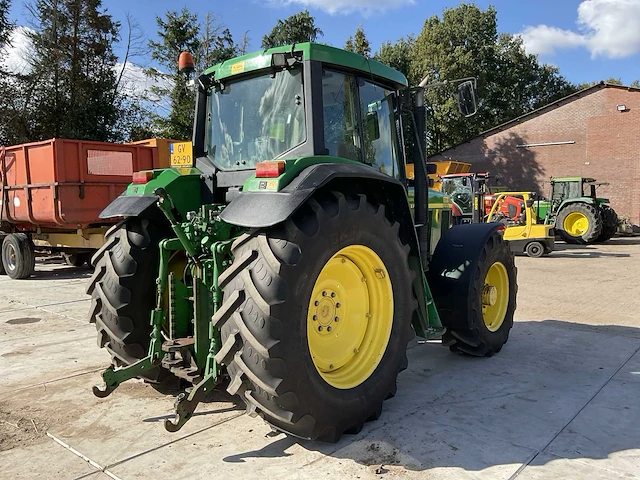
column 523, row 232
column 442, row 168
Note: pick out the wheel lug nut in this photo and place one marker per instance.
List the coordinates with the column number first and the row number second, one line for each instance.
column 329, row 329
column 316, row 303
column 337, row 305
column 315, row 317
column 320, row 328
column 336, row 319
column 324, row 294
column 331, row 366
column 333, row 294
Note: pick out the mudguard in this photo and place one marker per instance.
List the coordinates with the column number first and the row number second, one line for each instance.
column 451, row 267
column 128, row 206
column 266, row 209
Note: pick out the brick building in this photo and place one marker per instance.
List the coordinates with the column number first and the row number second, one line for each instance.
column 592, row 133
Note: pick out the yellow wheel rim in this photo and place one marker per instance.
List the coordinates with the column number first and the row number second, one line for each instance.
column 495, row 296
column 350, row 316
column 576, row 224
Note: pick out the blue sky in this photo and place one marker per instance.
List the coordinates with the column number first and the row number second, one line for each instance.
column 587, row 39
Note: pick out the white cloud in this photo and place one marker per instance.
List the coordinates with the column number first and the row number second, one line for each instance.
column 545, row 40
column 607, row 28
column 348, row 6
column 16, row 54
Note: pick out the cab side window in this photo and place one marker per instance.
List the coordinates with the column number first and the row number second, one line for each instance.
column 342, row 135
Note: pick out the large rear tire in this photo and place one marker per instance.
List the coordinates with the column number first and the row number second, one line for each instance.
column 609, row 223
column 317, row 316
column 122, row 291
column 579, row 223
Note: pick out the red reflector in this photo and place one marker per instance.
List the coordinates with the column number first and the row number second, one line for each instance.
column 270, row 169
column 142, row 177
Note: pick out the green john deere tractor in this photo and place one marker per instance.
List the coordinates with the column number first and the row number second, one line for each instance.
column 578, row 217
column 280, row 256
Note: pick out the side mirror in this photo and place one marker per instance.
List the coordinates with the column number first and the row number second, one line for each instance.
column 467, row 98
column 373, row 126
column 432, row 168
column 530, row 202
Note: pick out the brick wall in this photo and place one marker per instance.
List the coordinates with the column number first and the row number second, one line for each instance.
column 605, row 145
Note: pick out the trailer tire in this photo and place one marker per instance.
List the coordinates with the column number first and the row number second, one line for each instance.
column 273, row 317
column 122, row 290
column 18, row 256
column 2, row 237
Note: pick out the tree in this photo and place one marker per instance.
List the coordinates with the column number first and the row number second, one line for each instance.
column 298, row 28
column 6, row 26
column 209, row 42
column 72, row 84
column 465, row 43
column 358, row 43
column 397, row 55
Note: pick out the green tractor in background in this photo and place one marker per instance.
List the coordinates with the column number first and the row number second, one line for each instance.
column 578, row 217
column 281, row 254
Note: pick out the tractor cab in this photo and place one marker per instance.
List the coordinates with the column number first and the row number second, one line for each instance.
column 575, row 187
column 467, row 191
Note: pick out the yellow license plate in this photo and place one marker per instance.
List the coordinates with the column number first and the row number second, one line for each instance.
column 181, row 154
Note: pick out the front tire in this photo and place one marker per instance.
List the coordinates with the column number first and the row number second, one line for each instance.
column 535, row 249
column 316, row 378
column 609, row 223
column 473, row 279
column 579, row 223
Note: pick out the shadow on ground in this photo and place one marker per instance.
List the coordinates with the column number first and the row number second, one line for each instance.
column 457, row 411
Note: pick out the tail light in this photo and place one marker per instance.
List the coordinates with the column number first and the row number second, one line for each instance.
column 142, row 177
column 271, row 169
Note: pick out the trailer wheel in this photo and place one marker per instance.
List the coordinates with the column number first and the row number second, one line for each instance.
column 122, row 291
column 317, row 316
column 2, row 237
column 18, row 256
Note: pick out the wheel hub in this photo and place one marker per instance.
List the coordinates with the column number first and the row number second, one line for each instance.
column 495, row 296
column 576, row 224
column 350, row 316
column 489, row 295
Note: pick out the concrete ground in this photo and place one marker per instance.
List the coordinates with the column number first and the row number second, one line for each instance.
column 559, row 401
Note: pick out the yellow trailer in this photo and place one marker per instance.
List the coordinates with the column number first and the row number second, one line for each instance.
column 442, row 168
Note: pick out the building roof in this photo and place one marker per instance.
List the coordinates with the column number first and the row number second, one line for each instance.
column 539, row 111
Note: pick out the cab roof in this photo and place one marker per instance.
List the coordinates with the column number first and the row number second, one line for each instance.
column 573, row 179
column 310, row 51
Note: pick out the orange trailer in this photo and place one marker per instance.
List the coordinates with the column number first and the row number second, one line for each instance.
column 52, row 192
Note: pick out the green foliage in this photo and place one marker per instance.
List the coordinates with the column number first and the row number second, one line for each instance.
column 70, row 90
column 6, row 26
column 397, row 55
column 358, row 43
column 465, row 43
column 298, row 28
column 208, row 41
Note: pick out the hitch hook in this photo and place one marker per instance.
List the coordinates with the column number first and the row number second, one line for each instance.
column 185, row 406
